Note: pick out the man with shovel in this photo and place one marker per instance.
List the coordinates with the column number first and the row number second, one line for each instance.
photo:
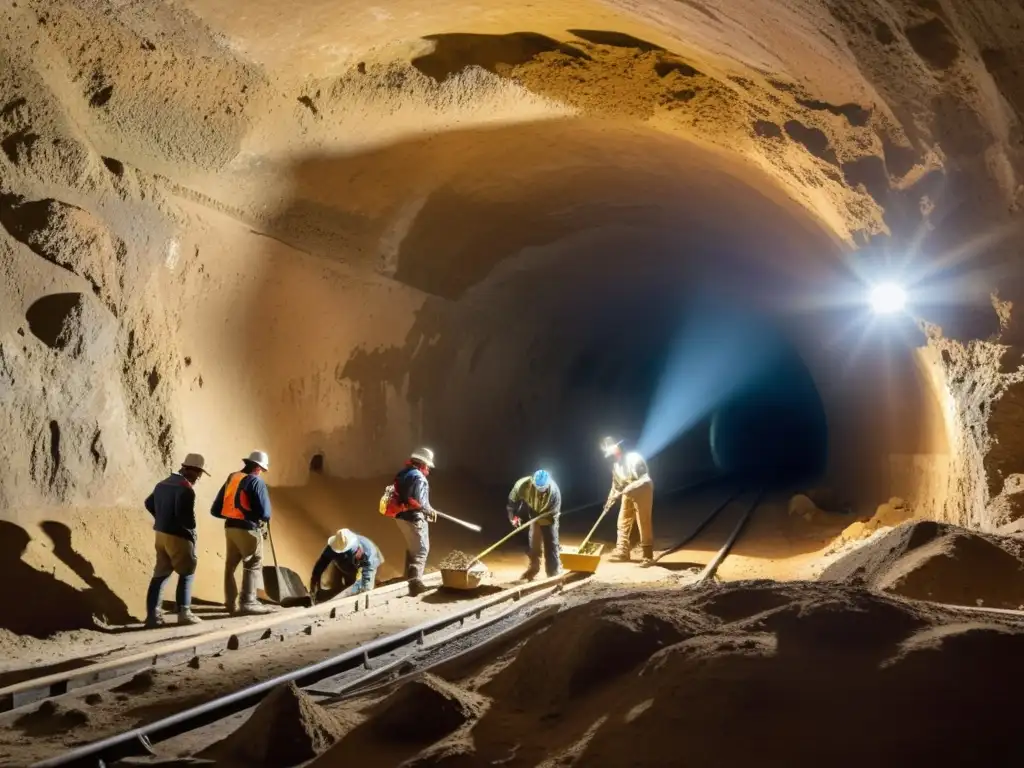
column 243, row 503
column 412, row 511
column 632, row 483
column 538, row 496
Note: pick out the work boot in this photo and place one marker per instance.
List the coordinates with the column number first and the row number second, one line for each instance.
column 620, row 555
column 155, row 621
column 417, row 587
column 529, row 574
column 231, row 608
column 186, row 616
column 248, row 605
column 648, row 558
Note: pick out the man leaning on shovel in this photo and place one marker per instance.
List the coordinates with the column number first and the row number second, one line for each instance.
column 535, row 496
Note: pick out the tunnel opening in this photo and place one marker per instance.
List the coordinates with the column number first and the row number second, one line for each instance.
column 774, row 431
column 316, row 464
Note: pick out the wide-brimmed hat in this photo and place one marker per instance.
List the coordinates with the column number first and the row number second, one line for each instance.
column 425, row 455
column 343, row 541
column 195, row 461
column 260, row 459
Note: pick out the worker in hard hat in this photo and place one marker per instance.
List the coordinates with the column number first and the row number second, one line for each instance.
column 407, row 500
column 632, row 483
column 355, row 557
column 531, row 497
column 243, row 503
column 173, row 507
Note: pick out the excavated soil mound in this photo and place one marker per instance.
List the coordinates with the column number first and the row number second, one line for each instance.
column 426, row 710
column 946, row 564
column 590, row 646
column 961, row 569
column 51, row 719
column 287, row 728
column 819, row 674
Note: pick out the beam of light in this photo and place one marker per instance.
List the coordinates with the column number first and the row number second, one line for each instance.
column 888, row 298
column 712, row 356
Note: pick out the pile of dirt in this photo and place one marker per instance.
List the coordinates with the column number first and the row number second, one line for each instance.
column 426, row 710
column 287, row 728
column 457, row 561
column 925, row 560
column 834, row 658
column 587, row 648
column 51, row 719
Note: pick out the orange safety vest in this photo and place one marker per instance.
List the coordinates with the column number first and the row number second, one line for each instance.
column 231, row 507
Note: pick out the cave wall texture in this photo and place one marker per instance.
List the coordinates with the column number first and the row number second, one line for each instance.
column 350, row 229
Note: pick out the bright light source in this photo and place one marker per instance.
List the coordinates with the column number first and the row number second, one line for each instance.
column 888, row 298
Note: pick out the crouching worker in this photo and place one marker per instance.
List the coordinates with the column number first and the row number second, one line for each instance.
column 532, row 497
column 355, row 557
column 173, row 507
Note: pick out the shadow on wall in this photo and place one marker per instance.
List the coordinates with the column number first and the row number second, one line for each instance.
column 39, row 604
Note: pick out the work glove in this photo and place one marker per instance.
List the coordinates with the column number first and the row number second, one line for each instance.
column 431, row 516
column 516, row 522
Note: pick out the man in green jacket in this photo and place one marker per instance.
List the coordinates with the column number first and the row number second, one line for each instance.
column 533, row 496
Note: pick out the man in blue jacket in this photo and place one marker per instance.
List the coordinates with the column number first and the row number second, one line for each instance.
column 413, row 490
column 533, row 496
column 243, row 503
column 356, row 557
column 173, row 507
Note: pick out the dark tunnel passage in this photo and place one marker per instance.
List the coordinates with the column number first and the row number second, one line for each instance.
column 773, row 431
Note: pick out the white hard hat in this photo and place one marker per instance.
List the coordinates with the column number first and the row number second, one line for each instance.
column 260, row 459
column 343, row 541
column 609, row 446
column 425, row 455
column 195, row 461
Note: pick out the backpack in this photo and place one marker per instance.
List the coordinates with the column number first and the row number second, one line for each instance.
column 391, row 503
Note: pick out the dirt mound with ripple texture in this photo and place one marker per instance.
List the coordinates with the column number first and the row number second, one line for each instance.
column 925, row 560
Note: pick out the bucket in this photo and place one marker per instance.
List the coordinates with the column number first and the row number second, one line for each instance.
column 456, row 578
column 581, row 562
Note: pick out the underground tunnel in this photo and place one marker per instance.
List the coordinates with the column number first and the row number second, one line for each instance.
column 339, row 233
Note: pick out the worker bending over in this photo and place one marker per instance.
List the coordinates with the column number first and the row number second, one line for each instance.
column 357, row 559
column 631, row 481
column 531, row 497
column 244, row 504
column 173, row 507
column 407, row 500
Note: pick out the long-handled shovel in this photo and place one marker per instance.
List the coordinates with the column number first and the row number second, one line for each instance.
column 472, row 526
column 505, row 538
column 283, row 585
column 607, row 507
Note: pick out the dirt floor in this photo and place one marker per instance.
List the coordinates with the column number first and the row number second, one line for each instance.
column 625, row 680
column 97, row 712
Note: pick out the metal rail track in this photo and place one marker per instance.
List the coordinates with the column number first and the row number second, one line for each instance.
column 139, row 741
column 285, row 623
column 383, row 663
column 178, row 651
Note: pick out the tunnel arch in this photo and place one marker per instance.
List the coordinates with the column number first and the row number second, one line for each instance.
column 543, row 261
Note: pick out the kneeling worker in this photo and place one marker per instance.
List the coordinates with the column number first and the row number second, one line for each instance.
column 354, row 556
column 531, row 497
